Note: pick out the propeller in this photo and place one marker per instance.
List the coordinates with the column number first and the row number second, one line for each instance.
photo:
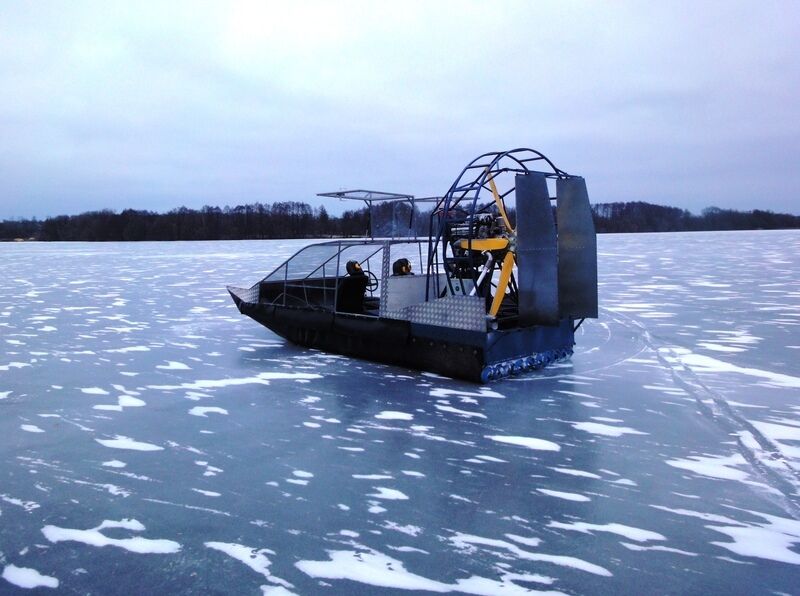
column 507, row 242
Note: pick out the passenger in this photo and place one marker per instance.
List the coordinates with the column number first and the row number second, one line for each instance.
column 401, row 267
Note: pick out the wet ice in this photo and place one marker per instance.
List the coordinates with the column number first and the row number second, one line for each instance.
column 150, row 429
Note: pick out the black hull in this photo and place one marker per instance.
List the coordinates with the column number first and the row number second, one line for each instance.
column 468, row 355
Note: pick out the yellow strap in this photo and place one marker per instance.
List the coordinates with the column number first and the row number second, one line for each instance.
column 505, row 275
column 482, row 244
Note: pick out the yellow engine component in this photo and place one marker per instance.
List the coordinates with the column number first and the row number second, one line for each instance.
column 483, row 244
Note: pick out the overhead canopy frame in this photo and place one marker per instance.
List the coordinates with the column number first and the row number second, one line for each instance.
column 368, row 197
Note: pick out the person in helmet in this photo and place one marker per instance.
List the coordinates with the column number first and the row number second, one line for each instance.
column 401, row 267
column 352, row 288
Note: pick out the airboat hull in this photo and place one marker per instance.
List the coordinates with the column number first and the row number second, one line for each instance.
column 457, row 353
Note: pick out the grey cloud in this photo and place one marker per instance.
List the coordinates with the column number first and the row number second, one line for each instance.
column 138, row 105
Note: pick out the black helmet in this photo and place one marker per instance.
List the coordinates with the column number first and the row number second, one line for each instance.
column 354, row 268
column 401, row 267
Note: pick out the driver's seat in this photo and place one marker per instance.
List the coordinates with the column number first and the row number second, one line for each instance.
column 350, row 294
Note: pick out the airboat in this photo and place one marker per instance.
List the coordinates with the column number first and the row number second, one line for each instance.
column 506, row 272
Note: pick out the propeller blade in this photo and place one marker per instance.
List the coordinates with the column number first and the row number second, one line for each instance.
column 505, row 275
column 483, row 244
column 499, row 202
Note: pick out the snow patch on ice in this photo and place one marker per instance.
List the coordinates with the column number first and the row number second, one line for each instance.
column 564, row 495
column 10, row 365
column 203, row 410
column 482, row 392
column 607, row 430
column 26, row 505
column 207, row 493
column 705, row 364
column 470, row 543
column 389, row 494
column 372, row 477
column 409, row 529
column 393, row 415
column 657, row 547
column 172, row 365
column 94, row 537
column 379, row 570
column 629, row 532
column 529, row 442
column 121, row 442
column 129, row 349
column 123, row 401
column 573, row 472
column 255, row 559
column 458, row 412
column 94, row 391
column 772, row 541
column 260, row 379
column 712, row 466
column 31, row 428
column 114, row 463
column 25, row 577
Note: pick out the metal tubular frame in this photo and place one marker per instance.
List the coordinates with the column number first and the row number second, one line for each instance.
column 488, row 166
column 341, row 246
column 378, row 196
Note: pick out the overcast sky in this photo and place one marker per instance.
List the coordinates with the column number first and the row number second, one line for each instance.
column 158, row 105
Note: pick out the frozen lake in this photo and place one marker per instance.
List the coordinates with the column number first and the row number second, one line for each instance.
column 153, row 440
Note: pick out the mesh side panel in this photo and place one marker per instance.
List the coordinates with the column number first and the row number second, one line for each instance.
column 249, row 295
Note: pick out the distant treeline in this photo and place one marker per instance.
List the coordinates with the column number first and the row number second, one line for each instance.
column 645, row 217
column 299, row 220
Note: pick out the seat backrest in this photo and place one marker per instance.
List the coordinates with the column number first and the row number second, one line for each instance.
column 350, row 294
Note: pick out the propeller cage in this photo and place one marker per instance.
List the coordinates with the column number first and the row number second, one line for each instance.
column 497, row 233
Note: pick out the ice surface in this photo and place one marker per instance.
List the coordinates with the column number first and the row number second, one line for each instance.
column 676, row 417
